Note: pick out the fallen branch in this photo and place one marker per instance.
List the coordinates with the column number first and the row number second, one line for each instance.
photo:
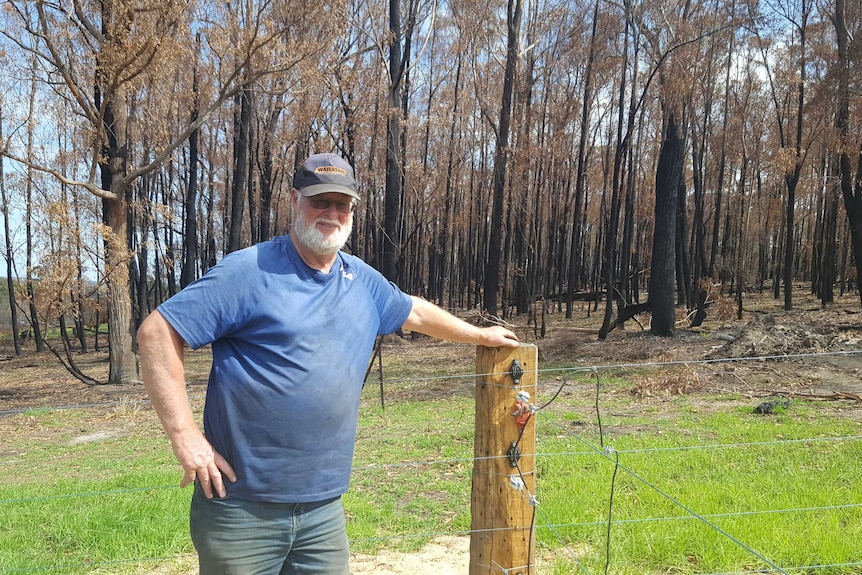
column 836, row 396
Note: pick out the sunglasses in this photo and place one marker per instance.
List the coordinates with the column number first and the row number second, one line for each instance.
column 341, row 206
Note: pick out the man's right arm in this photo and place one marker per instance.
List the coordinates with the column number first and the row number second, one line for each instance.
column 162, row 369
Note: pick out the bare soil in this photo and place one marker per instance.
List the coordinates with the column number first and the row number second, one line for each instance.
column 820, row 365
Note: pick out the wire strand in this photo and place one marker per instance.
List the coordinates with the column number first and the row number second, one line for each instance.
column 686, row 508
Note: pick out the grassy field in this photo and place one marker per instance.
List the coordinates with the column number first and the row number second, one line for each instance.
column 692, row 480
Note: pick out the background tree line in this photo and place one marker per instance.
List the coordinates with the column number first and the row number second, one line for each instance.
column 643, row 154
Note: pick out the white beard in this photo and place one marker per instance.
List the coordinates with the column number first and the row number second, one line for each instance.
column 308, row 235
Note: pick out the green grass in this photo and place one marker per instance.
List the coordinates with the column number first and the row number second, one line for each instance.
column 760, row 495
column 98, row 522
column 112, row 505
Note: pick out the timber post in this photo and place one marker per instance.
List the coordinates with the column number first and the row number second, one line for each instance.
column 504, row 469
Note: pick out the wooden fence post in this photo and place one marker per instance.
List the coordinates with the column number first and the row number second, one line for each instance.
column 504, row 469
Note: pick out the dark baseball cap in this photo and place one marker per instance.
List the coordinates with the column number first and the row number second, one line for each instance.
column 322, row 173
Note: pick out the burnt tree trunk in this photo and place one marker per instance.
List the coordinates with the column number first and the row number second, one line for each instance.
column 393, row 197
column 608, row 259
column 492, row 267
column 240, row 167
column 190, row 237
column 8, row 253
column 668, row 181
column 576, row 243
column 851, row 187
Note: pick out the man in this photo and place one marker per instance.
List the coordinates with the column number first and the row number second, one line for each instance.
column 292, row 323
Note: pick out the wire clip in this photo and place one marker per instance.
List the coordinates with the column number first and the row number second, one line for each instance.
column 514, row 454
column 516, row 482
column 516, row 372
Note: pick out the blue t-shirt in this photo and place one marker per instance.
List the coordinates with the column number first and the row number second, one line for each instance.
column 290, row 349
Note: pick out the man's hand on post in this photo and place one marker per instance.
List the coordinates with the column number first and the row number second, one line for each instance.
column 499, row 336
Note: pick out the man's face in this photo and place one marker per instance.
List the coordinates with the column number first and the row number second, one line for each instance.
column 323, row 223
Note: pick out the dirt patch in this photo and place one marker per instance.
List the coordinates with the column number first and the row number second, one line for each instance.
column 441, row 556
column 98, row 436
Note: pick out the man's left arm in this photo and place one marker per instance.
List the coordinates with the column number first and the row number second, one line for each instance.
column 427, row 318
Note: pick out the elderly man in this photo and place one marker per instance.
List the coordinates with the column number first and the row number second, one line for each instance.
column 292, row 323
